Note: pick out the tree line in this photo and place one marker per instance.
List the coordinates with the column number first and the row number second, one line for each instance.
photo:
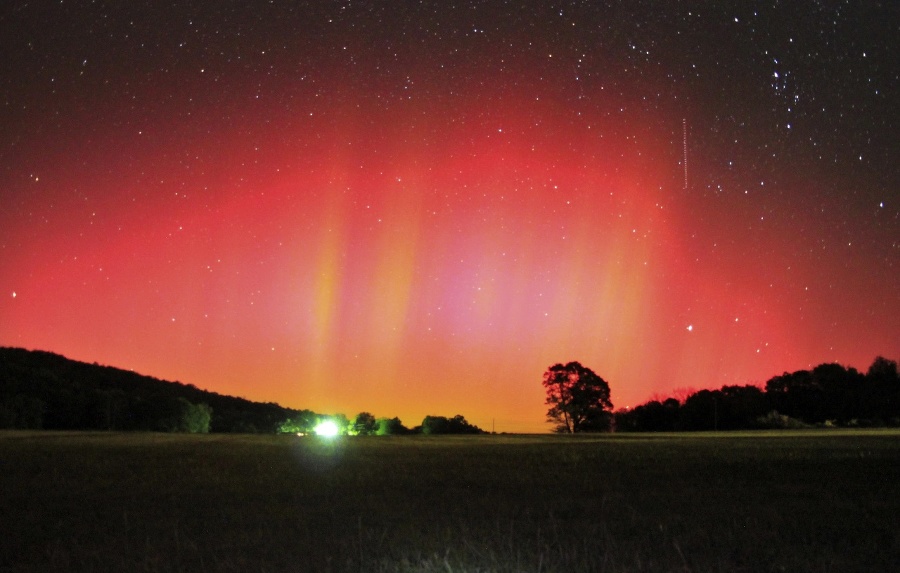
column 43, row 390
column 366, row 424
column 827, row 395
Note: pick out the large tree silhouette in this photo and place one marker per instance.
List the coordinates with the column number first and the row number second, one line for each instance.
column 578, row 399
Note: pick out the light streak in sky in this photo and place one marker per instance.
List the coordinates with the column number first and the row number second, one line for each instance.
column 684, row 145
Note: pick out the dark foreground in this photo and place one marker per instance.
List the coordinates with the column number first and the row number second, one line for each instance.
column 813, row 501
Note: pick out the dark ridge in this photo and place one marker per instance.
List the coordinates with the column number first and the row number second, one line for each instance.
column 41, row 389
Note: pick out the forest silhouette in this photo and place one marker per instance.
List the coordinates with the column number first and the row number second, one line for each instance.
column 43, row 390
column 827, row 395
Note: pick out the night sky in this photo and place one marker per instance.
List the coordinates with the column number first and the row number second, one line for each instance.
column 415, row 208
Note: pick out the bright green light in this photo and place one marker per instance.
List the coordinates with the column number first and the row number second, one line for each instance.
column 326, row 428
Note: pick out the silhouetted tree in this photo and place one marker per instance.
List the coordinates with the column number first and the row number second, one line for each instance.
column 578, row 399
column 882, row 368
column 442, row 425
column 303, row 422
column 841, row 389
column 795, row 395
column 435, row 425
column 701, row 411
column 180, row 415
column 654, row 416
column 391, row 427
column 881, row 399
column 459, row 425
column 195, row 417
column 740, row 407
column 828, row 393
column 364, row 424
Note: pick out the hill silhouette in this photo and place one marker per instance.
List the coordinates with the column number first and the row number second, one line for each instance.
column 43, row 390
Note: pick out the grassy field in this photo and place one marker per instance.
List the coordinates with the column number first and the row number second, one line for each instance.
column 799, row 501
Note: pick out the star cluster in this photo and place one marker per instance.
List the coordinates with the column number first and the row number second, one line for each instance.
column 416, row 207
